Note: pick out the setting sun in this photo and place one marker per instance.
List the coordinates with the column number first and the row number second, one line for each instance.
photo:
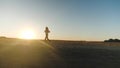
column 27, row 34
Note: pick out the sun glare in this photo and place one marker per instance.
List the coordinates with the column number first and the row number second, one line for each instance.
column 28, row 34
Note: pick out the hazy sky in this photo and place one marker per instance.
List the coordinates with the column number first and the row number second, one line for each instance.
column 67, row 19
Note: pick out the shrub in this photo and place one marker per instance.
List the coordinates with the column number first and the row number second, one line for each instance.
column 112, row 40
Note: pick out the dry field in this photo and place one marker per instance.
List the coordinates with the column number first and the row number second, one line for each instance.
column 16, row 53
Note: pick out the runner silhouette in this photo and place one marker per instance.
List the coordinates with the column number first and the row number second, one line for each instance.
column 47, row 31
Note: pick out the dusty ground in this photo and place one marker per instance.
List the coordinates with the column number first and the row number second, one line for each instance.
column 16, row 53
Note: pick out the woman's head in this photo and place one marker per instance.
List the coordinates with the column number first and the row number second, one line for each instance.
column 46, row 27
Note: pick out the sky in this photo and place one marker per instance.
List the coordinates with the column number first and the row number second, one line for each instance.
column 90, row 20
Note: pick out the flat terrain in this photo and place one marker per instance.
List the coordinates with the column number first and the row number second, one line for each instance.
column 16, row 53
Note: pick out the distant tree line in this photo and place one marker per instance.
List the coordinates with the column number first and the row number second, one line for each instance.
column 112, row 40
